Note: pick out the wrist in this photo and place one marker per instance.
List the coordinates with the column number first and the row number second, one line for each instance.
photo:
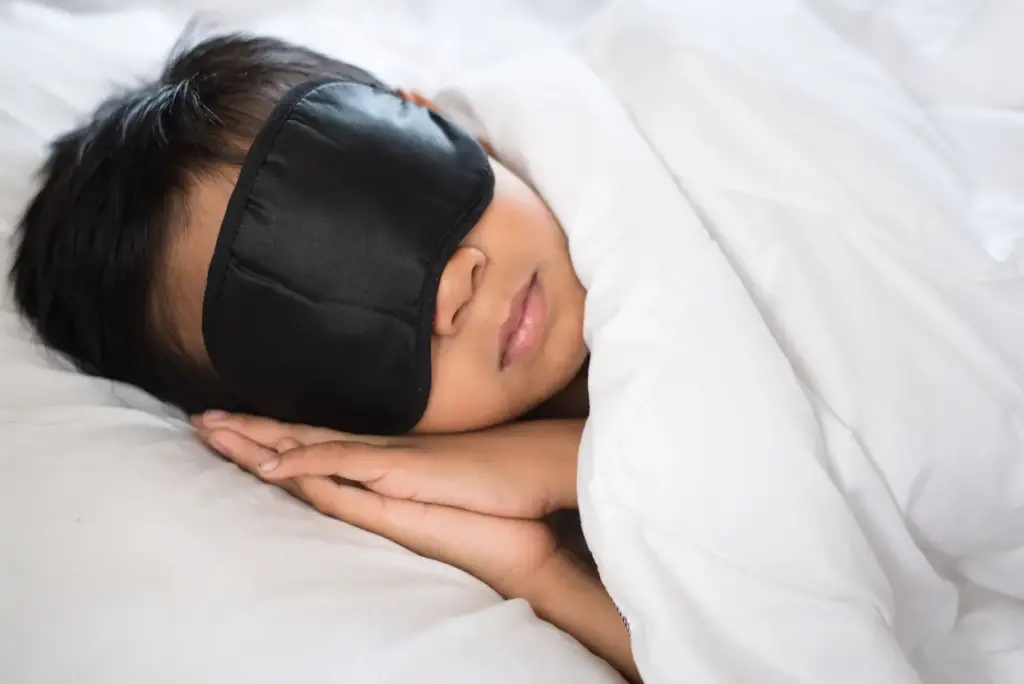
column 540, row 455
column 548, row 582
column 558, row 458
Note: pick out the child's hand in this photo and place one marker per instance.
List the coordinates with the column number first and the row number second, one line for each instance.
column 269, row 432
column 505, row 553
column 438, row 478
column 524, row 470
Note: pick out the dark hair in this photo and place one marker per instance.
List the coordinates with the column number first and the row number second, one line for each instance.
column 91, row 242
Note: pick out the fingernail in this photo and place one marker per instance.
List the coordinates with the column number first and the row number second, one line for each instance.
column 269, row 464
column 211, row 417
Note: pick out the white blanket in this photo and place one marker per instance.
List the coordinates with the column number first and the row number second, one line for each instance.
column 805, row 458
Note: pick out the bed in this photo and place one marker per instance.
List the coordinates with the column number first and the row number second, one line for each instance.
column 785, row 477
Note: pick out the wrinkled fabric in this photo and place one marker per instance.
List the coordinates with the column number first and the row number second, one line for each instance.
column 805, row 455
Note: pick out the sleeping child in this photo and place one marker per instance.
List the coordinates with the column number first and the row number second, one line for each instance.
column 263, row 230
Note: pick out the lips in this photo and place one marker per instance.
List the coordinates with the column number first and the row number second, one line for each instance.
column 521, row 333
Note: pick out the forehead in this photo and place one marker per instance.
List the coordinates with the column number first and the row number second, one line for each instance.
column 188, row 256
column 206, row 201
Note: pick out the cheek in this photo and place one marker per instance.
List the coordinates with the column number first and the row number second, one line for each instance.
column 463, row 395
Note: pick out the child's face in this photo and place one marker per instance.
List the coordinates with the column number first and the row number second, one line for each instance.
column 508, row 327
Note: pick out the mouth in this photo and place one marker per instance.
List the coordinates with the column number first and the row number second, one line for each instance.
column 521, row 333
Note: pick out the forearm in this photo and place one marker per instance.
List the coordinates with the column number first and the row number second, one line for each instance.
column 575, row 602
column 550, row 447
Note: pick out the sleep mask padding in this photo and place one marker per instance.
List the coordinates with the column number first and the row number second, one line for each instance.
column 320, row 299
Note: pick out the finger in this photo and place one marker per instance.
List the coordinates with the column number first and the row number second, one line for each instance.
column 434, row 531
column 266, row 431
column 351, row 461
column 449, row 479
column 292, row 488
column 477, row 543
column 243, row 451
column 248, row 454
column 287, row 444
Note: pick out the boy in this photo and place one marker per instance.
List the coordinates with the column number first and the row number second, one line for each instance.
column 265, row 228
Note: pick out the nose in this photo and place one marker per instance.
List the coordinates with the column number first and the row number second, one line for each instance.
column 459, row 282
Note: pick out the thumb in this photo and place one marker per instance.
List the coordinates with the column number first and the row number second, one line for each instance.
column 355, row 462
column 392, row 472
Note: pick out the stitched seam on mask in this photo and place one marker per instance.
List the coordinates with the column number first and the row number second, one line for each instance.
column 316, row 300
column 474, row 208
column 265, row 147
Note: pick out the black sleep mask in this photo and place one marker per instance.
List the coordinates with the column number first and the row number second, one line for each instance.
column 319, row 304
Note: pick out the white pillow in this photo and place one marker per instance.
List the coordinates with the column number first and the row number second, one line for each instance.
column 130, row 553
